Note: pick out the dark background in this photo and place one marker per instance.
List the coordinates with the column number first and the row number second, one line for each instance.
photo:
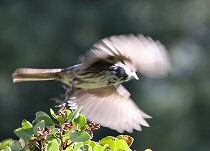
column 53, row 34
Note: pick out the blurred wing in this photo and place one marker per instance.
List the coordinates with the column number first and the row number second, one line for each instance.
column 147, row 56
column 112, row 107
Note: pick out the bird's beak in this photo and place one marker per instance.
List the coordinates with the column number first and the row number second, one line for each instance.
column 134, row 76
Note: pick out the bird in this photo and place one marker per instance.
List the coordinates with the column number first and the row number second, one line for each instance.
column 97, row 79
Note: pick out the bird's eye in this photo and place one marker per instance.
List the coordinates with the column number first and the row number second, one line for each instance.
column 120, row 71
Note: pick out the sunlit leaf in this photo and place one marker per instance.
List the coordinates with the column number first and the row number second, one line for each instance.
column 81, row 121
column 26, row 124
column 7, row 149
column 98, row 148
column 68, row 114
column 7, row 142
column 52, row 146
column 77, row 146
column 50, row 139
column 91, row 143
column 60, row 119
column 110, row 140
column 75, row 114
column 128, row 139
column 121, row 145
column 53, row 113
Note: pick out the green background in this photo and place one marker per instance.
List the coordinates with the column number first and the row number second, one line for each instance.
column 53, row 34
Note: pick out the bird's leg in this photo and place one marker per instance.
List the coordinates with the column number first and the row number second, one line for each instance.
column 69, row 92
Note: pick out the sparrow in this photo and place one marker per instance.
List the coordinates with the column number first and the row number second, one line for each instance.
column 97, row 80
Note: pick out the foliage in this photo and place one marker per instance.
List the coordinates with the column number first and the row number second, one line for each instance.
column 67, row 131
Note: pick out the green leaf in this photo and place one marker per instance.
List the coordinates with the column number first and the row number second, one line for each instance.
column 16, row 146
column 26, row 124
column 88, row 147
column 81, row 121
column 44, row 116
column 48, row 121
column 52, row 146
column 110, row 140
column 50, row 139
column 68, row 114
column 60, row 119
column 75, row 114
column 66, row 137
column 105, row 147
column 69, row 148
column 128, row 139
column 7, row 149
column 25, row 134
column 87, row 142
column 40, row 124
column 53, row 114
column 91, row 143
column 54, row 131
column 79, row 136
column 57, row 117
column 121, row 145
column 41, row 113
column 98, row 148
column 77, row 146
column 7, row 142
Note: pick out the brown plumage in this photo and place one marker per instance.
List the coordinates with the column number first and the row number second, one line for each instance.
column 97, row 80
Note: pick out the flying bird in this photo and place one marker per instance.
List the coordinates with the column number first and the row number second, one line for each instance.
column 98, row 79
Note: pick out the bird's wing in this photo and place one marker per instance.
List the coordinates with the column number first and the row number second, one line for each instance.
column 149, row 57
column 112, row 107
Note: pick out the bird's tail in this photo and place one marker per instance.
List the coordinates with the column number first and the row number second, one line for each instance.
column 29, row 74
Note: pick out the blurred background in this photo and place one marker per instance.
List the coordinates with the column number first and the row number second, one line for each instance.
column 53, row 34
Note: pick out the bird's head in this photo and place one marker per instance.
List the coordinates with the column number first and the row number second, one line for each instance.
column 123, row 72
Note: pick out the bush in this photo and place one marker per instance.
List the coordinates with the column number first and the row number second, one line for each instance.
column 67, row 131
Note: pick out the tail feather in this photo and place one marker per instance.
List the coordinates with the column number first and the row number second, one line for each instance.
column 29, row 74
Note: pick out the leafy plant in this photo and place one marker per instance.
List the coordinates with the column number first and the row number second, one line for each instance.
column 67, row 131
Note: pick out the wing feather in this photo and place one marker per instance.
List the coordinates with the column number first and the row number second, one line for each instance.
column 111, row 107
column 149, row 57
